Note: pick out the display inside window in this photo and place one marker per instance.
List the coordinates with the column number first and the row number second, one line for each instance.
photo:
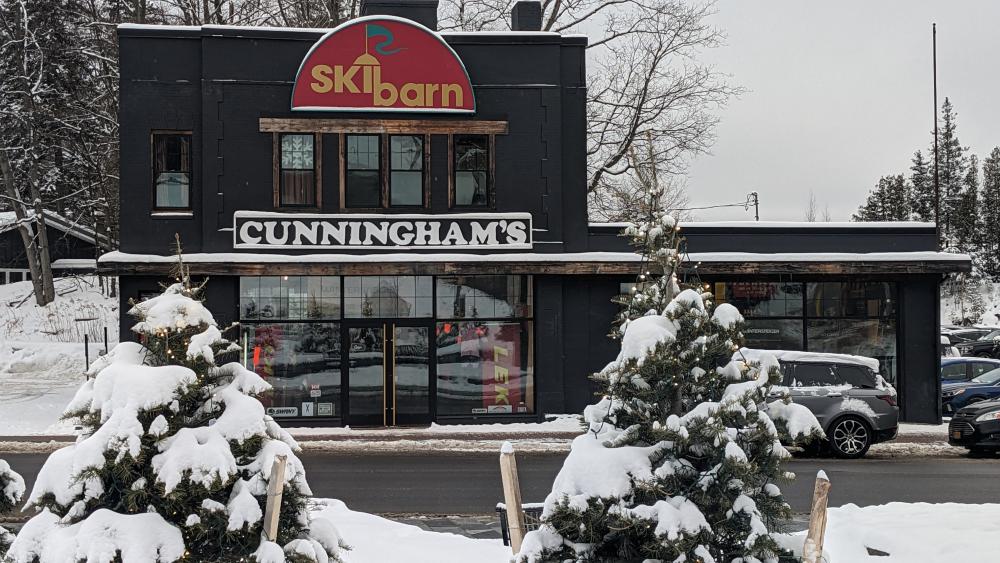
column 290, row 297
column 851, row 299
column 406, row 171
column 471, row 169
column 874, row 338
column 479, row 297
column 484, row 367
column 363, row 185
column 388, row 296
column 172, row 170
column 762, row 299
column 302, row 363
column 297, row 171
column 773, row 334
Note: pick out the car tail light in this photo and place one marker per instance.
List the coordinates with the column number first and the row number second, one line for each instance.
column 891, row 399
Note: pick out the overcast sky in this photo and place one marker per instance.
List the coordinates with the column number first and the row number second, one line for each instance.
column 838, row 94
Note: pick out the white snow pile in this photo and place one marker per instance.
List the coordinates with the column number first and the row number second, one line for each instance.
column 82, row 306
column 171, row 310
column 908, row 532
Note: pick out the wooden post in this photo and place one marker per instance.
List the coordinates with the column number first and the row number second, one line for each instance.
column 512, row 496
column 272, row 510
column 812, row 550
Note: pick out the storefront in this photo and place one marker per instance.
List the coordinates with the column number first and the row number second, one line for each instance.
column 395, row 219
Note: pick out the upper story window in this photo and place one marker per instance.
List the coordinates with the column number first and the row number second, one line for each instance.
column 298, row 182
column 471, row 182
column 384, row 171
column 172, row 170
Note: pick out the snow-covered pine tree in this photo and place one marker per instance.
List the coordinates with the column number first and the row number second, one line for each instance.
column 990, row 217
column 922, row 188
column 176, row 457
column 681, row 458
column 889, row 201
column 967, row 207
column 953, row 164
column 11, row 492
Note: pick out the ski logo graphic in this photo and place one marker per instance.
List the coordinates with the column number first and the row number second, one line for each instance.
column 382, row 63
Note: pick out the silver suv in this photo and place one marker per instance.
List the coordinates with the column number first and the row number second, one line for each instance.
column 853, row 403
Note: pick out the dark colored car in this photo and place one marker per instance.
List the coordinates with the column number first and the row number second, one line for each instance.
column 977, row 428
column 988, row 346
column 965, row 334
column 960, row 370
column 985, row 387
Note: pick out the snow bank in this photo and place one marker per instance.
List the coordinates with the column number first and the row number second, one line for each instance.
column 909, row 533
column 80, row 308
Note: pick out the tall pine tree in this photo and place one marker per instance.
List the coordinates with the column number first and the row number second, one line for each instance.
column 989, row 228
column 966, row 233
column 921, row 188
column 888, row 201
column 953, row 165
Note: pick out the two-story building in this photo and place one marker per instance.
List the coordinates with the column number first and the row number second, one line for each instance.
column 397, row 220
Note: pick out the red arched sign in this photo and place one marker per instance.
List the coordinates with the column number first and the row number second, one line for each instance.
column 382, row 63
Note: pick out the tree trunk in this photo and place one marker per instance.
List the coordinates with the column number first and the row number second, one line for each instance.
column 24, row 227
column 44, row 257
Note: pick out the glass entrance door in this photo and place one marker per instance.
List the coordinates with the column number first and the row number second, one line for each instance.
column 388, row 375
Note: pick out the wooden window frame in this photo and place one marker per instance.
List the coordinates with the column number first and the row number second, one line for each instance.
column 490, row 173
column 385, row 173
column 317, row 171
column 152, row 171
column 425, row 141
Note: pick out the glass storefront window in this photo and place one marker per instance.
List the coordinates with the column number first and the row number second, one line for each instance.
column 290, row 297
column 773, row 334
column 851, row 299
column 483, row 297
column 301, row 361
column 874, row 338
column 762, row 299
column 484, row 367
column 388, row 297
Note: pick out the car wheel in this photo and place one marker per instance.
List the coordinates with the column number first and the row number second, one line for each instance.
column 850, row 437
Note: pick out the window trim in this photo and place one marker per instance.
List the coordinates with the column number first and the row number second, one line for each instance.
column 154, row 208
column 317, row 171
column 490, row 173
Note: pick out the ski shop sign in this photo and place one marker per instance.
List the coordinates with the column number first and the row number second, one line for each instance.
column 458, row 231
column 382, row 63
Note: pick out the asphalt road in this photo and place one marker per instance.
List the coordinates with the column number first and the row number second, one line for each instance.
column 470, row 484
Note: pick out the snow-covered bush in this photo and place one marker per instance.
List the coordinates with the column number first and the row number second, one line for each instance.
column 175, row 459
column 11, row 492
column 682, row 455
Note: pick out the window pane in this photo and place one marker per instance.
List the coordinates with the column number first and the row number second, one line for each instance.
column 297, row 152
column 856, row 376
column 813, row 375
column 773, row 334
column 301, row 361
column 463, row 297
column 407, row 152
column 470, row 188
column 874, row 338
column 471, row 152
column 406, row 188
column 249, row 297
column 851, row 299
column 172, row 189
column 362, row 152
column 484, row 368
column 979, row 368
column 172, row 169
column 363, row 189
column 761, row 299
column 955, row 372
column 298, row 187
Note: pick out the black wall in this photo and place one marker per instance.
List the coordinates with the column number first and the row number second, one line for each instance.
column 218, row 82
column 61, row 245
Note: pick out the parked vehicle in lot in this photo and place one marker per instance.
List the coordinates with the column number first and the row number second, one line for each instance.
column 987, row 346
column 981, row 388
column 960, row 370
column 977, row 428
column 852, row 402
column 965, row 334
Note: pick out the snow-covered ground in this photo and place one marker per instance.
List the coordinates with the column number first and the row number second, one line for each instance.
column 41, row 351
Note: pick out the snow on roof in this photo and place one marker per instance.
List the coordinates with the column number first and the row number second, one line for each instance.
column 813, row 357
column 787, row 224
column 74, row 264
column 117, row 257
column 322, row 30
column 8, row 221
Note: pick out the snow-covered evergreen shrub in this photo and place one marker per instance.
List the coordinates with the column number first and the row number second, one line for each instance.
column 11, row 492
column 176, row 457
column 682, row 455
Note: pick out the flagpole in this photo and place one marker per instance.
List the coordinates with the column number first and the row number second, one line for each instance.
column 937, row 187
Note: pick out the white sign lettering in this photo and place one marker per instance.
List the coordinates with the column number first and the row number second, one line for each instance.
column 454, row 231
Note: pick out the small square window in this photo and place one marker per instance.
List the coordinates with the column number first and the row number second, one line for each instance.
column 172, row 171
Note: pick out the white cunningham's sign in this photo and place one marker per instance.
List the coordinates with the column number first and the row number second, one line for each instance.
column 350, row 231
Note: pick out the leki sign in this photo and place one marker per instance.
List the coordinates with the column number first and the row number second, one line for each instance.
column 382, row 63
column 458, row 231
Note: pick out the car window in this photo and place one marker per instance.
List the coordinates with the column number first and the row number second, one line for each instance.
column 787, row 372
column 856, row 376
column 992, row 335
column 814, row 375
column 979, row 368
column 954, row 371
column 988, row 378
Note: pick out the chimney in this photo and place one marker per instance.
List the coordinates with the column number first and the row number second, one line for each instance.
column 423, row 12
column 526, row 15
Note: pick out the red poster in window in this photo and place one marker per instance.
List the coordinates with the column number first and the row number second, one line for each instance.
column 501, row 353
column 382, row 63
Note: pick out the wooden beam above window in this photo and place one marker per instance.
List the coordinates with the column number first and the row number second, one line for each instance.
column 382, row 126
